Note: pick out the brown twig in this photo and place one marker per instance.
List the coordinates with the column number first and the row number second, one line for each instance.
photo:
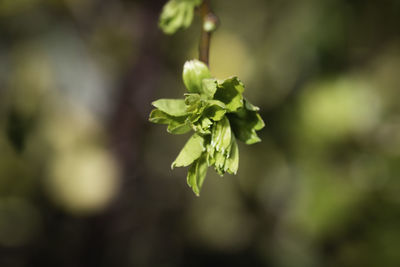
column 207, row 16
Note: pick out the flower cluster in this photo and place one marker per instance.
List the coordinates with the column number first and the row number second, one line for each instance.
column 217, row 113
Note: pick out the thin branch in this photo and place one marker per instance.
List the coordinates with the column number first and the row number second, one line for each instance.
column 208, row 25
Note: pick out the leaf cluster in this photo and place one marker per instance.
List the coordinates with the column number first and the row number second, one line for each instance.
column 218, row 114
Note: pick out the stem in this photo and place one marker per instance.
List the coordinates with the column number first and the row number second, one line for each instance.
column 206, row 16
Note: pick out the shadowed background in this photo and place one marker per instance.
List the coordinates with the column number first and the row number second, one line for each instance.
column 85, row 179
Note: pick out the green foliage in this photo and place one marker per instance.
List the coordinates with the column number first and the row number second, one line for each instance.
column 190, row 152
column 177, row 14
column 218, row 114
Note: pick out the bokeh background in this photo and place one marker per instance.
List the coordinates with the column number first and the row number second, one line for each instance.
column 85, row 179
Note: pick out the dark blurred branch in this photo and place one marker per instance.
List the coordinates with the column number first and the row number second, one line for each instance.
column 208, row 25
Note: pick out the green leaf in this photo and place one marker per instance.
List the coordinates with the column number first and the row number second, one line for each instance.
column 219, row 164
column 250, row 106
column 210, row 155
column 176, row 125
column 225, row 162
column 191, row 99
column 193, row 103
column 215, row 110
column 221, row 135
column 196, row 110
column 202, row 126
column 197, row 174
column 194, row 72
column 190, row 152
column 230, row 93
column 157, row 116
column 260, row 123
column 245, row 123
column 206, row 123
column 177, row 14
column 209, row 87
column 173, row 107
column 232, row 163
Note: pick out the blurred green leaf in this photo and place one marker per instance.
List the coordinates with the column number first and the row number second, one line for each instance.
column 177, row 14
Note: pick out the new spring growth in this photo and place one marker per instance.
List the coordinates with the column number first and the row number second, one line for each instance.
column 210, row 23
column 217, row 114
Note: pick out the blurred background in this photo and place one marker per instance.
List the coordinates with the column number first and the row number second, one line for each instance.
column 85, row 179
